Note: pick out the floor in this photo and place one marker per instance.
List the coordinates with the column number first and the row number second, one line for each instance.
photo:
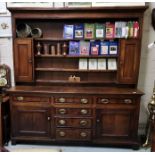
column 46, row 148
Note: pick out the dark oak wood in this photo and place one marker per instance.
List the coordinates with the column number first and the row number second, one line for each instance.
column 102, row 108
column 23, row 60
column 153, row 138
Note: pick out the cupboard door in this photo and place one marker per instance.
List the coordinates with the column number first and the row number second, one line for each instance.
column 115, row 123
column 31, row 121
column 23, row 60
column 129, row 61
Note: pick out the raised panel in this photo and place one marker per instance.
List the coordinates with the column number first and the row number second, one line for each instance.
column 129, row 61
column 23, row 60
column 31, row 121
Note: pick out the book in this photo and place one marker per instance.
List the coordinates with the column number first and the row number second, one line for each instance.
column 99, row 30
column 135, row 29
column 68, row 31
column 130, row 32
column 110, row 30
column 118, row 29
column 113, row 47
column 73, row 48
column 89, row 31
column 104, row 47
column 94, row 47
column 78, row 4
column 112, row 64
column 83, row 64
column 92, row 64
column 78, row 31
column 101, row 64
column 84, row 47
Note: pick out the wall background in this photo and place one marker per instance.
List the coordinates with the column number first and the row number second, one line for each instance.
column 147, row 66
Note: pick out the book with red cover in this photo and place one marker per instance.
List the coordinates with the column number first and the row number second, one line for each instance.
column 110, row 30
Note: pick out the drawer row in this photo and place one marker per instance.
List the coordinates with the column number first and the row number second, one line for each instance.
column 83, row 100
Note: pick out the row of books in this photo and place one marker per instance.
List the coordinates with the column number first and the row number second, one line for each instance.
column 93, row 48
column 98, row 64
column 109, row 30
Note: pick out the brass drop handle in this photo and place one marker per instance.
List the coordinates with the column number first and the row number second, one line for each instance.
column 62, row 111
column 20, row 98
column 84, row 101
column 104, row 100
column 62, row 133
column 83, row 134
column 62, row 100
column 83, row 122
column 84, row 111
column 97, row 120
column 62, row 122
column 127, row 101
column 48, row 118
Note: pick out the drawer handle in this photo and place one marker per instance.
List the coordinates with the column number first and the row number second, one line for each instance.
column 127, row 101
column 84, row 111
column 62, row 122
column 62, row 133
column 62, row 111
column 84, row 101
column 62, row 100
column 83, row 122
column 104, row 100
column 48, row 118
column 83, row 134
column 20, row 98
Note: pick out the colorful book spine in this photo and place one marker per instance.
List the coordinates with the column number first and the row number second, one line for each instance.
column 68, row 31
column 94, row 47
column 99, row 30
column 74, row 48
column 135, row 29
column 78, row 31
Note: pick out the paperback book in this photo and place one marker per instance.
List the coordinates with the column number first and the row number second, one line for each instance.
column 113, row 47
column 99, row 30
column 89, row 31
column 78, row 31
column 73, row 48
column 84, row 47
column 101, row 64
column 112, row 64
column 68, row 31
column 92, row 64
column 110, row 30
column 104, row 47
column 94, row 47
column 83, row 64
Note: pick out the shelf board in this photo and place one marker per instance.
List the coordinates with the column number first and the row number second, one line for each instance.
column 76, row 56
column 71, row 70
column 81, row 82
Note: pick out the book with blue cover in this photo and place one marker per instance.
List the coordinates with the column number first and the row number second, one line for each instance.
column 74, row 48
column 78, row 31
column 94, row 47
column 104, row 47
column 113, row 47
column 68, row 32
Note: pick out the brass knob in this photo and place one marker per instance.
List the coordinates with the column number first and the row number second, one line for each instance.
column 48, row 118
column 20, row 98
column 84, row 101
column 62, row 100
column 83, row 122
column 83, row 134
column 84, row 111
column 62, row 133
column 127, row 101
column 104, row 100
column 62, row 122
column 62, row 111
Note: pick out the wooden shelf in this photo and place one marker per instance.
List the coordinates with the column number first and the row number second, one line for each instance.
column 79, row 56
column 70, row 70
column 81, row 82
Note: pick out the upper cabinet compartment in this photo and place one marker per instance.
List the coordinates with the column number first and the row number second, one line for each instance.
column 105, row 49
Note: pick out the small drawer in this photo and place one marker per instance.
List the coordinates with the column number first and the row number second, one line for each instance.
column 72, row 135
column 73, row 111
column 72, row 100
column 106, row 100
column 21, row 98
column 73, row 122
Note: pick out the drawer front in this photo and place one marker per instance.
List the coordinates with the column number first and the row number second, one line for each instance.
column 73, row 111
column 114, row 100
column 21, row 98
column 72, row 100
column 73, row 122
column 73, row 135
